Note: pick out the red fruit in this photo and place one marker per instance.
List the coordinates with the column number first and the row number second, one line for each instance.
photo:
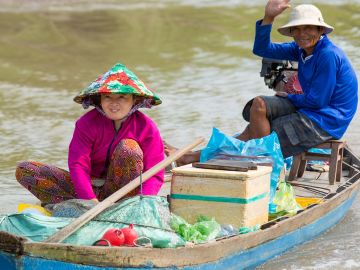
column 114, row 236
column 130, row 235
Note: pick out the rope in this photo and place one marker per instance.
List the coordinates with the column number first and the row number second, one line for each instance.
column 147, row 242
column 314, row 189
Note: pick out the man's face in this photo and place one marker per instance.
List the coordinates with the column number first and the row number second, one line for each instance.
column 306, row 36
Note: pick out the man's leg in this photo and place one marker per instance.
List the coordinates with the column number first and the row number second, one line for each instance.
column 259, row 125
column 245, row 135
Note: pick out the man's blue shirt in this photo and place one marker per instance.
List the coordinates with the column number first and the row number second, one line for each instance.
column 327, row 79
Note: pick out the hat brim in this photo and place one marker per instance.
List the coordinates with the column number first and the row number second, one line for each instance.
column 155, row 100
column 285, row 29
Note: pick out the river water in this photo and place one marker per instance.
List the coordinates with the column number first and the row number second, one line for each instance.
column 195, row 54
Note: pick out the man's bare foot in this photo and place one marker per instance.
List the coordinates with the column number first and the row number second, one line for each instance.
column 187, row 158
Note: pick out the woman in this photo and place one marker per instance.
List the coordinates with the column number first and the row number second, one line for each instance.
column 111, row 145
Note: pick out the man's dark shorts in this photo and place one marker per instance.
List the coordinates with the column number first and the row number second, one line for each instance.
column 296, row 132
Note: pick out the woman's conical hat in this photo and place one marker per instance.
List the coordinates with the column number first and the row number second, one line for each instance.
column 118, row 80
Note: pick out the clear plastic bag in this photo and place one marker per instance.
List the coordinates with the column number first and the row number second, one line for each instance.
column 203, row 230
column 285, row 200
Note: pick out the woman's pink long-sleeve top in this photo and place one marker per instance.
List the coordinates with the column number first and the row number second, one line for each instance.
column 92, row 137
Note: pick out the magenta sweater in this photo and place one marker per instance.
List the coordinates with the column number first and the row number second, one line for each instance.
column 91, row 139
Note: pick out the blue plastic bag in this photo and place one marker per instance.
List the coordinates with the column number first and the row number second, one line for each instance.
column 220, row 143
column 289, row 160
column 319, row 151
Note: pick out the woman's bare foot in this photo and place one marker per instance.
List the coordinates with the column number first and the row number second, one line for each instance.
column 187, row 158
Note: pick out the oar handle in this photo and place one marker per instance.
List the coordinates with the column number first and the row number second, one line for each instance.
column 87, row 216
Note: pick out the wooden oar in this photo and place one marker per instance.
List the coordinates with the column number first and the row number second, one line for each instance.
column 87, row 216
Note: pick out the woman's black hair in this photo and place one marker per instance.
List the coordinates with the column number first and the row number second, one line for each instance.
column 95, row 100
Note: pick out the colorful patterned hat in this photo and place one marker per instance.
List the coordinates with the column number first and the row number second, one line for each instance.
column 118, row 80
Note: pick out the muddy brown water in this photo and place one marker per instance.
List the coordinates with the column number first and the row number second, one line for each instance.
column 195, row 54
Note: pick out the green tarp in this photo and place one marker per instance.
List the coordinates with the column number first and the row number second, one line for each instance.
column 149, row 214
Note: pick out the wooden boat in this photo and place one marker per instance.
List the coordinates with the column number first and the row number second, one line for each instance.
column 236, row 252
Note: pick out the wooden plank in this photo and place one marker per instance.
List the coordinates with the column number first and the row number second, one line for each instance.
column 317, row 156
column 11, row 243
column 230, row 162
column 258, row 160
column 225, row 165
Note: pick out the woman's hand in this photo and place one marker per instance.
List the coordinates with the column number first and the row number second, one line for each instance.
column 273, row 8
column 95, row 200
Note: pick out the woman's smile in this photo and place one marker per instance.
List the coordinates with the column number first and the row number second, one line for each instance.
column 117, row 106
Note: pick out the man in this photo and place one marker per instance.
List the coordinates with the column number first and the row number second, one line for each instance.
column 328, row 82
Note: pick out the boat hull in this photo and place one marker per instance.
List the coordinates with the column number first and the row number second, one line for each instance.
column 244, row 259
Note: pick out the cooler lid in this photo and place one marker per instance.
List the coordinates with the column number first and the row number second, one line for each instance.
column 189, row 170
